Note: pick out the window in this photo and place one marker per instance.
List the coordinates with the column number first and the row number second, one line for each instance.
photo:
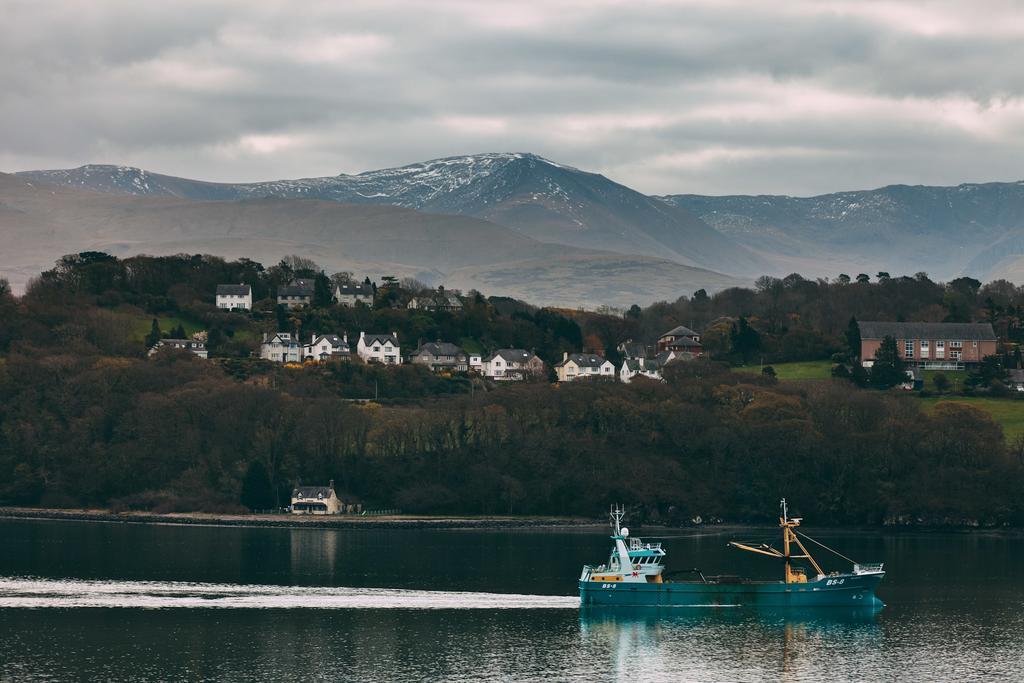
column 956, row 355
column 974, row 343
column 940, row 349
column 924, row 348
column 908, row 348
column 956, row 345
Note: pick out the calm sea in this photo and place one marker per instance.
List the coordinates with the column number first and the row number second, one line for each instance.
column 97, row 601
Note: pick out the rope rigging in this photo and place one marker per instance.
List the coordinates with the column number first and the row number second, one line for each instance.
column 834, row 552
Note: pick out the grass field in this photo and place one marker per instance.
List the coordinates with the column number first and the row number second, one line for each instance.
column 1008, row 412
column 813, row 369
column 167, row 323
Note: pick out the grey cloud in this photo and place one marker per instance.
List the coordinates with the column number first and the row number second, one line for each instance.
column 802, row 100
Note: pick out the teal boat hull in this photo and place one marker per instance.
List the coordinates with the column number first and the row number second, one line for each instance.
column 843, row 590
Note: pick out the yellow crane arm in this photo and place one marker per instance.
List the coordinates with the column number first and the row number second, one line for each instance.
column 761, row 550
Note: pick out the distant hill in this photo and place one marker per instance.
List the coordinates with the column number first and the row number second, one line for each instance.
column 974, row 229
column 42, row 221
column 539, row 198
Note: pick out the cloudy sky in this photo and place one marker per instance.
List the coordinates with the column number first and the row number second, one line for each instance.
column 706, row 96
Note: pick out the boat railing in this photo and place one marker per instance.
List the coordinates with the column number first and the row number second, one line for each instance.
column 872, row 568
column 636, row 544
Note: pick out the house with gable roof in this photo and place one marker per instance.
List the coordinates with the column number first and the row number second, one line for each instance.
column 512, row 365
column 316, row 500
column 439, row 356
column 379, row 348
column 325, row 347
column 576, row 366
column 681, row 339
column 281, row 348
column 351, row 293
column 234, row 297
column 930, row 346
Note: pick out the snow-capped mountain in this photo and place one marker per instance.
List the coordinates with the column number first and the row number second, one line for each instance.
column 975, row 229
column 548, row 201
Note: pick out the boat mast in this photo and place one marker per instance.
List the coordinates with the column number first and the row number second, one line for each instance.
column 789, row 535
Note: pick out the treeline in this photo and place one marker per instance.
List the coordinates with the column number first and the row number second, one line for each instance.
column 96, row 298
column 86, row 419
column 178, row 433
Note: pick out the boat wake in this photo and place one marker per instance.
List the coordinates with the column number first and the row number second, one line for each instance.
column 27, row 592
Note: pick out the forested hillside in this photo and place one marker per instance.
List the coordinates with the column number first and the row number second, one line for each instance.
column 87, row 419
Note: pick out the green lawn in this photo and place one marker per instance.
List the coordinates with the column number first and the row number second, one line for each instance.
column 167, row 323
column 1008, row 412
column 812, row 369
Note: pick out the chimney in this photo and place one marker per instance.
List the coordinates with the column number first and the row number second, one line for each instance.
column 344, row 337
column 395, row 335
column 361, row 335
column 565, row 356
column 331, row 485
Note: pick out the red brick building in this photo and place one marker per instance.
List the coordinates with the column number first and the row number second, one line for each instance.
column 939, row 346
column 680, row 339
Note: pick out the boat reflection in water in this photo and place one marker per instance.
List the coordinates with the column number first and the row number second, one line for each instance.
column 646, row 643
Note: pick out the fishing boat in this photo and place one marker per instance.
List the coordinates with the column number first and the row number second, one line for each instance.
column 634, row 575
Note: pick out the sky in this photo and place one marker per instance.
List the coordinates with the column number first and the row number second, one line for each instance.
column 701, row 96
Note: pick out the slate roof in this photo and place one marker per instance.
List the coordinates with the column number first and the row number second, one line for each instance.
column 368, row 339
column 683, row 343
column 237, row 290
column 292, row 290
column 437, row 349
column 511, row 355
column 583, row 360
column 957, row 331
column 681, row 331
column 356, row 289
column 181, row 343
column 632, row 349
column 313, row 492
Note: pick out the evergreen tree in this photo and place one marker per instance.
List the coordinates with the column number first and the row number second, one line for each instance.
column 853, row 338
column 744, row 339
column 257, row 491
column 323, row 295
column 989, row 371
column 179, row 332
column 888, row 370
column 154, row 334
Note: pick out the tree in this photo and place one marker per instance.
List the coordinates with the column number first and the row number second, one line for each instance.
column 744, row 339
column 154, row 334
column 178, row 332
column 843, row 279
column 768, row 374
column 853, row 341
column 888, row 370
column 323, row 292
column 941, row 382
column 863, row 278
column 883, row 275
column 988, row 372
column 257, row 491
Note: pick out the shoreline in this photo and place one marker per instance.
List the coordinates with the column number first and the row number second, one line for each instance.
column 439, row 522
column 290, row 521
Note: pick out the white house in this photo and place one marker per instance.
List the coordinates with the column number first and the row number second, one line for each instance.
column 379, row 348
column 575, row 366
column 324, row 347
column 316, row 500
column 512, row 364
column 196, row 346
column 349, row 293
column 234, row 297
column 437, row 301
column 645, row 367
column 281, row 348
column 476, row 362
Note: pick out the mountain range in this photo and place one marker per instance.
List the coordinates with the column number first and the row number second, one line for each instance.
column 521, row 225
column 41, row 221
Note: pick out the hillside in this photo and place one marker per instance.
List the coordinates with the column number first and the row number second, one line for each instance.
column 975, row 229
column 540, row 198
column 42, row 221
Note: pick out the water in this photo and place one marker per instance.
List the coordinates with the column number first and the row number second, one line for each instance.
column 83, row 601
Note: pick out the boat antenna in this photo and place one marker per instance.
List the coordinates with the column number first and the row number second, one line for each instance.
column 784, row 510
column 617, row 512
